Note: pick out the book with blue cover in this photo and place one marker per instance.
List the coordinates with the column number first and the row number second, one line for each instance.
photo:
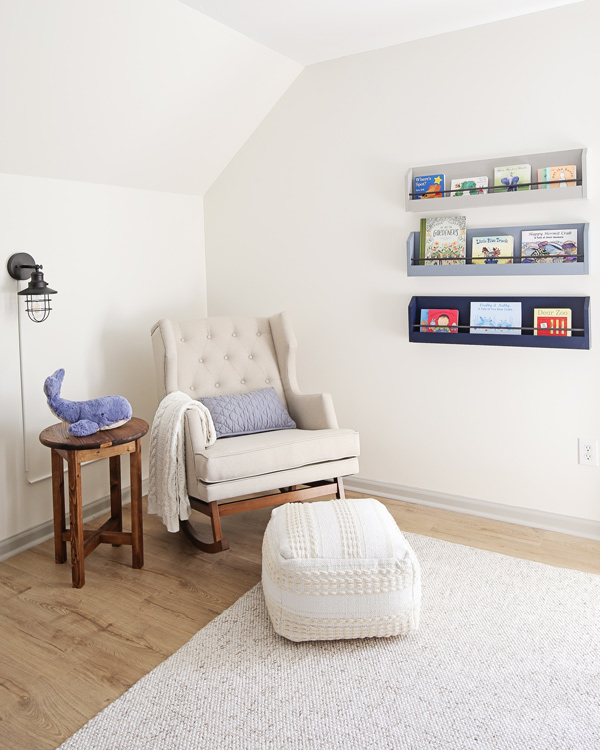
column 429, row 186
column 496, row 317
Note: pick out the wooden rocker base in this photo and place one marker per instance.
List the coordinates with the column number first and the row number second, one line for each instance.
column 286, row 495
column 210, row 547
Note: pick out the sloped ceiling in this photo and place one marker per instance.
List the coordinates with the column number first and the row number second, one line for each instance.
column 139, row 93
column 312, row 31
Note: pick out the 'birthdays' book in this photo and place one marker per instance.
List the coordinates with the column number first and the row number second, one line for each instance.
column 493, row 249
column 496, row 317
column 429, row 186
column 552, row 321
column 469, row 186
column 511, row 178
column 559, row 177
column 443, row 241
column 439, row 321
column 549, row 246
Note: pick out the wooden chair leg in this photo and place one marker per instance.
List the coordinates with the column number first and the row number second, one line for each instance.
column 219, row 544
column 340, row 494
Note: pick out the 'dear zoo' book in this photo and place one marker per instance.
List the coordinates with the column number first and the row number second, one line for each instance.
column 552, row 321
column 443, row 241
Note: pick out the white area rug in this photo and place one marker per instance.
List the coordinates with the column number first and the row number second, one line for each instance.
column 507, row 656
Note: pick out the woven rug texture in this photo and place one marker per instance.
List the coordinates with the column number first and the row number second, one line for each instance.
column 507, row 657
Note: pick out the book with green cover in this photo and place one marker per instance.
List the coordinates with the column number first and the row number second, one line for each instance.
column 443, row 241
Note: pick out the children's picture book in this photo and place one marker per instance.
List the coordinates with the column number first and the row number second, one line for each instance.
column 557, row 177
column 552, row 321
column 443, row 241
column 549, row 246
column 439, row 321
column 496, row 317
column 429, row 186
column 512, row 178
column 469, row 186
column 493, row 250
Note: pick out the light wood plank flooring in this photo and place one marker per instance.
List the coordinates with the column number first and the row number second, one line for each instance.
column 67, row 653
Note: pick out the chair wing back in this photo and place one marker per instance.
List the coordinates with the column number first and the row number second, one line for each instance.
column 223, row 355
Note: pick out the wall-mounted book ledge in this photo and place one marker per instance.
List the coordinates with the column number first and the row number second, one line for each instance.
column 571, row 265
column 540, row 184
column 553, row 334
column 532, row 190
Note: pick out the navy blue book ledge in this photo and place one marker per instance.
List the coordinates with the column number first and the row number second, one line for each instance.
column 580, row 322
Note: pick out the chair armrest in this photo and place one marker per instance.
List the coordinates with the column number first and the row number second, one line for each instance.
column 312, row 411
column 194, row 430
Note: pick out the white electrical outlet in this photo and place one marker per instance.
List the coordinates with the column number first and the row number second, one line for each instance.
column 588, row 451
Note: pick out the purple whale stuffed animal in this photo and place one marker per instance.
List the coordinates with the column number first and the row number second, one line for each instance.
column 85, row 417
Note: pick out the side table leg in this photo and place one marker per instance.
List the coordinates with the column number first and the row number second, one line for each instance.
column 76, row 520
column 58, row 503
column 137, row 538
column 116, row 508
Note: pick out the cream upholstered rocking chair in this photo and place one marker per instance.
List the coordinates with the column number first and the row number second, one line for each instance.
column 222, row 355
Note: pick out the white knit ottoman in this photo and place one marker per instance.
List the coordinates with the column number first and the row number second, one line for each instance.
column 339, row 569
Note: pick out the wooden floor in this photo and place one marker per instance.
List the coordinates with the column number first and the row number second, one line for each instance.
column 67, row 653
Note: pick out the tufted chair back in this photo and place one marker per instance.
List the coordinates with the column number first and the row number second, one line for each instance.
column 223, row 355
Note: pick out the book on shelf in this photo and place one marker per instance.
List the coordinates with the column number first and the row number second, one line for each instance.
column 496, row 317
column 429, row 186
column 469, row 186
column 499, row 249
column 439, row 321
column 559, row 177
column 512, row 178
column 549, row 246
column 552, row 321
column 443, row 241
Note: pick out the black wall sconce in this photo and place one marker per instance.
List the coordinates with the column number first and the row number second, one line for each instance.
column 22, row 266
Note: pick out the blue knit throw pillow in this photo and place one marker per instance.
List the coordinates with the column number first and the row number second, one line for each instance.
column 247, row 413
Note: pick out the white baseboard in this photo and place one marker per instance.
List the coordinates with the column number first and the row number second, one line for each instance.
column 38, row 534
column 539, row 519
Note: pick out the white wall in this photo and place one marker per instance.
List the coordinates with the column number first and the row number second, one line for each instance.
column 139, row 93
column 309, row 217
column 148, row 95
column 120, row 259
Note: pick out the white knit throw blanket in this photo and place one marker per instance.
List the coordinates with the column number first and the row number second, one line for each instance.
column 167, row 492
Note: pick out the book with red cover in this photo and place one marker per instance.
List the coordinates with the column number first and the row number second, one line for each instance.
column 439, row 321
column 552, row 321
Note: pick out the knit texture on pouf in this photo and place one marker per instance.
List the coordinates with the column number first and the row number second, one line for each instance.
column 339, row 569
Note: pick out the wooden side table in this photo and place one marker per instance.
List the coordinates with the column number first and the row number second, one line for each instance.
column 111, row 444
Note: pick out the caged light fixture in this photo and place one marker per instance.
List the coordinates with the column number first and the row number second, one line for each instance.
column 22, row 266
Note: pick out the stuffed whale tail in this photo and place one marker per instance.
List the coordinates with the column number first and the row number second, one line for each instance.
column 53, row 384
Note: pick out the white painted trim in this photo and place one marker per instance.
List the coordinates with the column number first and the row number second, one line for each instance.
column 538, row 519
column 38, row 534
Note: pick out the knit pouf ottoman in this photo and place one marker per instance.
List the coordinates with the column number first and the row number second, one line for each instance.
column 339, row 569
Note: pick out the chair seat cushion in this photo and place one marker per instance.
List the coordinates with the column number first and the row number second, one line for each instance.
column 244, row 456
column 339, row 569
